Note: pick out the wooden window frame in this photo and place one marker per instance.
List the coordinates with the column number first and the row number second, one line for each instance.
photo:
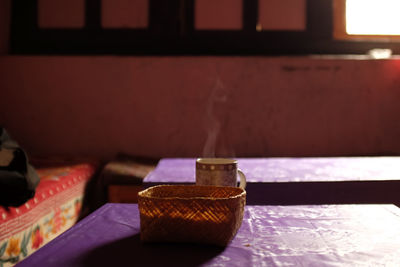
column 171, row 32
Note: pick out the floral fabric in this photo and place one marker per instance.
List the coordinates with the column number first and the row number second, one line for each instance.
column 54, row 208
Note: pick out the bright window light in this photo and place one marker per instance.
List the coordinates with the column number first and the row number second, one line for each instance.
column 373, row 17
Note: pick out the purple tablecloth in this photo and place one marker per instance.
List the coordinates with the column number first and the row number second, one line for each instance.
column 283, row 181
column 331, row 235
column 261, row 170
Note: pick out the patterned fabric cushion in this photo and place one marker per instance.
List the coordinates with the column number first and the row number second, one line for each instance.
column 53, row 209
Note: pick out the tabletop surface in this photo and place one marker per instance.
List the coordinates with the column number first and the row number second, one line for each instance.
column 182, row 170
column 330, row 235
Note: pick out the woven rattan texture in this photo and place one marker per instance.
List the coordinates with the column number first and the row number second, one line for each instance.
column 195, row 214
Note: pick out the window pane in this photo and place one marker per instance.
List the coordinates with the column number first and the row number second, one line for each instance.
column 218, row 14
column 373, row 17
column 61, row 13
column 281, row 15
column 124, row 13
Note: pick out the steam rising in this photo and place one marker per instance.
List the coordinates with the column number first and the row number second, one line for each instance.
column 217, row 111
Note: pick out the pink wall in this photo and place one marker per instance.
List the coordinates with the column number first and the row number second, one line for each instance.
column 193, row 106
column 171, row 106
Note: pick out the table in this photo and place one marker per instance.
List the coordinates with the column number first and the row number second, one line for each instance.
column 119, row 181
column 293, row 181
column 324, row 235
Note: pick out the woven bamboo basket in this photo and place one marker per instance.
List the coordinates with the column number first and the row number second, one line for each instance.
column 191, row 213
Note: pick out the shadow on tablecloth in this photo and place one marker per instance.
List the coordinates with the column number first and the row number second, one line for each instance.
column 131, row 251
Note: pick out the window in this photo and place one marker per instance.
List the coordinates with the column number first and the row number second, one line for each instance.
column 195, row 27
column 367, row 20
